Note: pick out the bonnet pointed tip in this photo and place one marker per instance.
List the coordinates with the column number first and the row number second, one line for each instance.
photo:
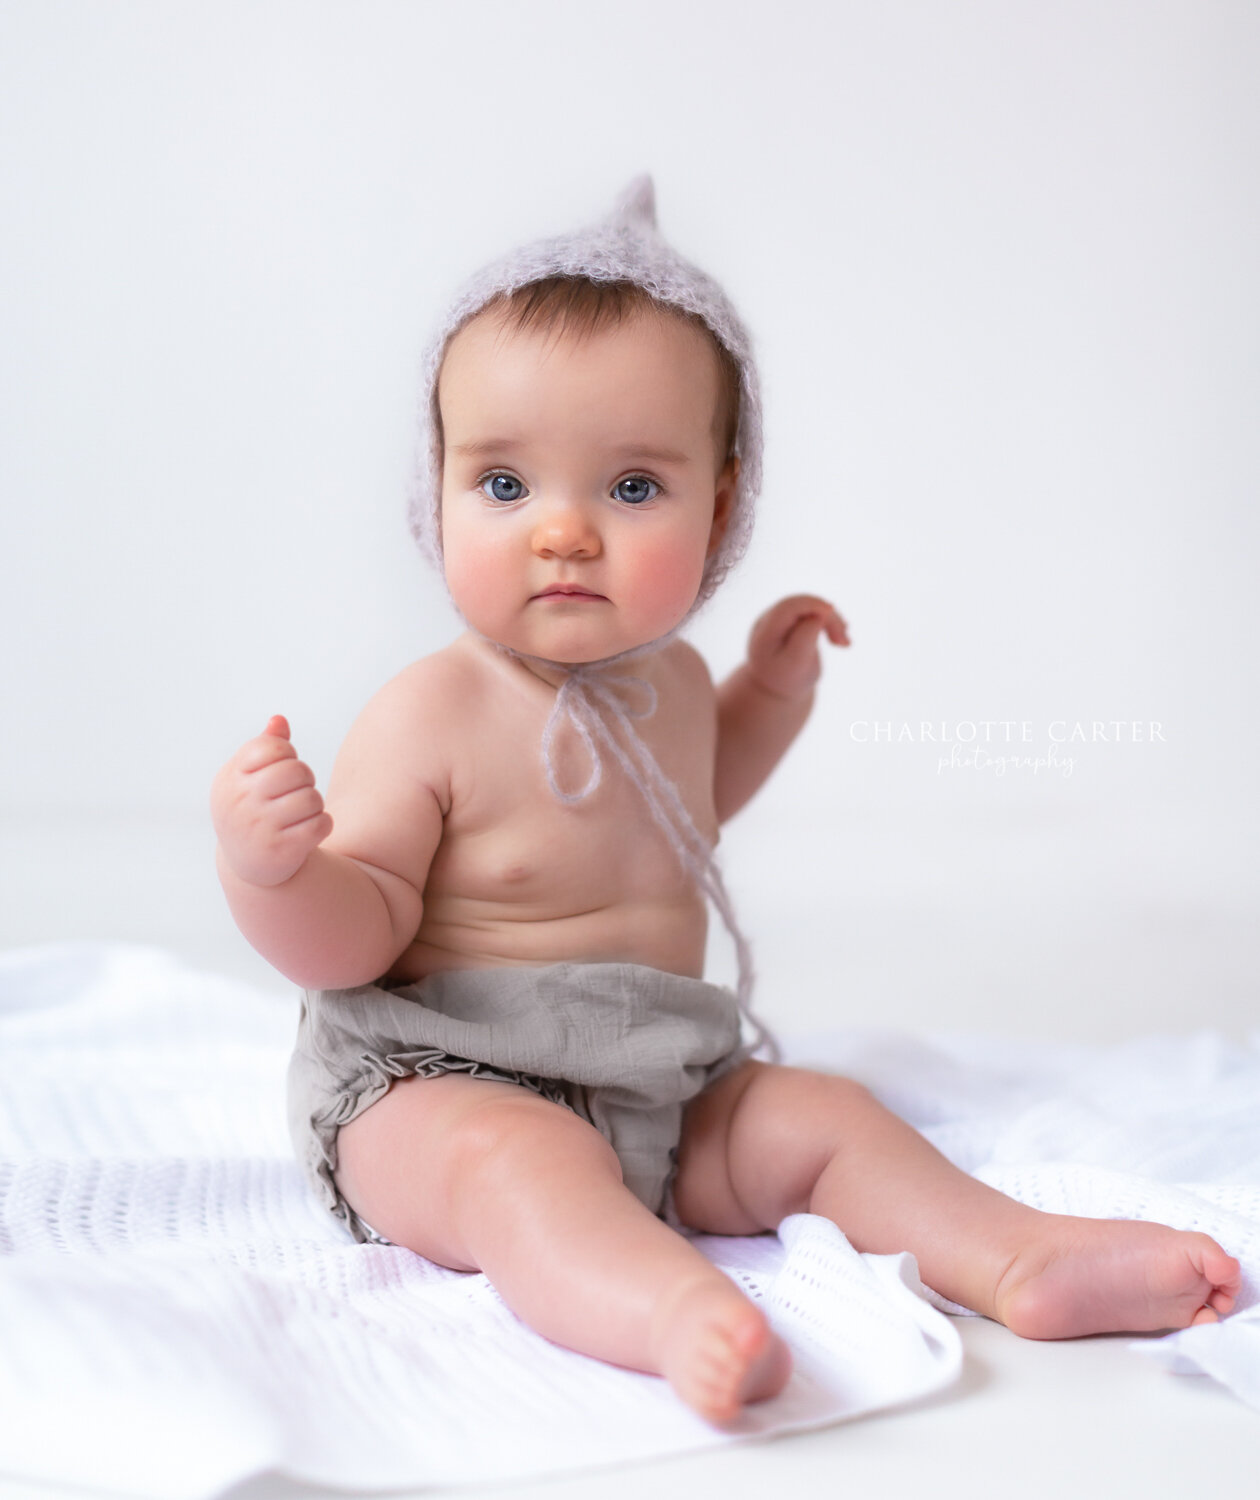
column 636, row 204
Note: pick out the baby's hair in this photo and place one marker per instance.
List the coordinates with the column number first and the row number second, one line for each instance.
column 581, row 306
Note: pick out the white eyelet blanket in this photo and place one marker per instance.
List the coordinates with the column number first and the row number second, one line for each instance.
column 168, row 1280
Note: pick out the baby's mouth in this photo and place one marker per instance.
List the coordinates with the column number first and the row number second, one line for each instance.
column 567, row 591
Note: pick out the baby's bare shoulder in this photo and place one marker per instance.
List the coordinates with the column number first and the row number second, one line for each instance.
column 683, row 658
column 403, row 734
column 442, row 679
column 688, row 672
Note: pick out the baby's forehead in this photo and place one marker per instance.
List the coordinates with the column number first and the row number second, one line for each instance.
column 646, row 376
column 669, row 334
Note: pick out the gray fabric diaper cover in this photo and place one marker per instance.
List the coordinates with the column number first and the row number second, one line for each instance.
column 621, row 1045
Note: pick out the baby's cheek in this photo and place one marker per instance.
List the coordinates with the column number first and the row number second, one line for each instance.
column 475, row 576
column 667, row 581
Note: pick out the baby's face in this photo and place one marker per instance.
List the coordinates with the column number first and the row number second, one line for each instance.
column 580, row 489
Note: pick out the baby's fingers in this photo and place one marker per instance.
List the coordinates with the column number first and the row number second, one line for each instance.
column 837, row 629
column 265, row 750
column 291, row 798
column 281, row 777
column 821, row 616
column 298, row 808
column 801, row 637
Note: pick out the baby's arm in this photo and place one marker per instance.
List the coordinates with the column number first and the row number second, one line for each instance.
column 763, row 704
column 329, row 898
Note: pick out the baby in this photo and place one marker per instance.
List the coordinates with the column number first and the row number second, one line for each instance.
column 507, row 1059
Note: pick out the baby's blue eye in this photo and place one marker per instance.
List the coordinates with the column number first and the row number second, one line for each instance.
column 636, row 489
column 502, row 487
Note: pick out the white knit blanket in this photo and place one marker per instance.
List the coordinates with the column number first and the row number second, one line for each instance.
column 177, row 1313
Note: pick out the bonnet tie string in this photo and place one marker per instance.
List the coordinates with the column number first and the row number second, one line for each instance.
column 586, row 700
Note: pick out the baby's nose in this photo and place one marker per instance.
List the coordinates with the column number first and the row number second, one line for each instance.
column 566, row 529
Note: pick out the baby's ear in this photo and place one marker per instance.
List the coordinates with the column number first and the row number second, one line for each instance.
column 723, row 504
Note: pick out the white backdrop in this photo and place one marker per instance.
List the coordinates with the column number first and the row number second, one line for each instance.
column 999, row 262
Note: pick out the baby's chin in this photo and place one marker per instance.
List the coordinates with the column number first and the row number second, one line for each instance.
column 576, row 642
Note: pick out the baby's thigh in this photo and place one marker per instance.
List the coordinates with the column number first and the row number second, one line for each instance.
column 424, row 1158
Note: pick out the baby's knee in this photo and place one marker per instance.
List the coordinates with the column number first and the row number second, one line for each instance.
column 845, row 1095
column 806, row 1097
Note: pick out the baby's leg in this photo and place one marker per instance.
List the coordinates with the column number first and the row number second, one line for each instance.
column 480, row 1175
column 765, row 1142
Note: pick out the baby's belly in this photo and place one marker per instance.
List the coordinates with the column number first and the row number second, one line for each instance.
column 459, row 934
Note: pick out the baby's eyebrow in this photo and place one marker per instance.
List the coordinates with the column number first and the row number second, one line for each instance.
column 486, row 445
column 627, row 450
column 653, row 455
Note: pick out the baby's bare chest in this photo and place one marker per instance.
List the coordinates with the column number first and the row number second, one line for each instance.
column 508, row 840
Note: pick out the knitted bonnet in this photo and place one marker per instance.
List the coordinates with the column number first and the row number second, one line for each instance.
column 625, row 246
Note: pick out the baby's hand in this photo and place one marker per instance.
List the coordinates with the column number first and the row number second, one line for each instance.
column 783, row 654
column 266, row 810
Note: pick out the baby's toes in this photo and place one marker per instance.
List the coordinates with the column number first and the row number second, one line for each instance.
column 1221, row 1302
column 715, row 1380
column 1222, row 1270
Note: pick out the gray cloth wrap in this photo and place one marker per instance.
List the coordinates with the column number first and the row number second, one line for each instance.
column 622, row 1045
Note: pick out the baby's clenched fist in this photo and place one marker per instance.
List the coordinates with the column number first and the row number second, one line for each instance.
column 266, row 810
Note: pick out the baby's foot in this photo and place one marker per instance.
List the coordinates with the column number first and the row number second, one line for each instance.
column 718, row 1351
column 1115, row 1276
